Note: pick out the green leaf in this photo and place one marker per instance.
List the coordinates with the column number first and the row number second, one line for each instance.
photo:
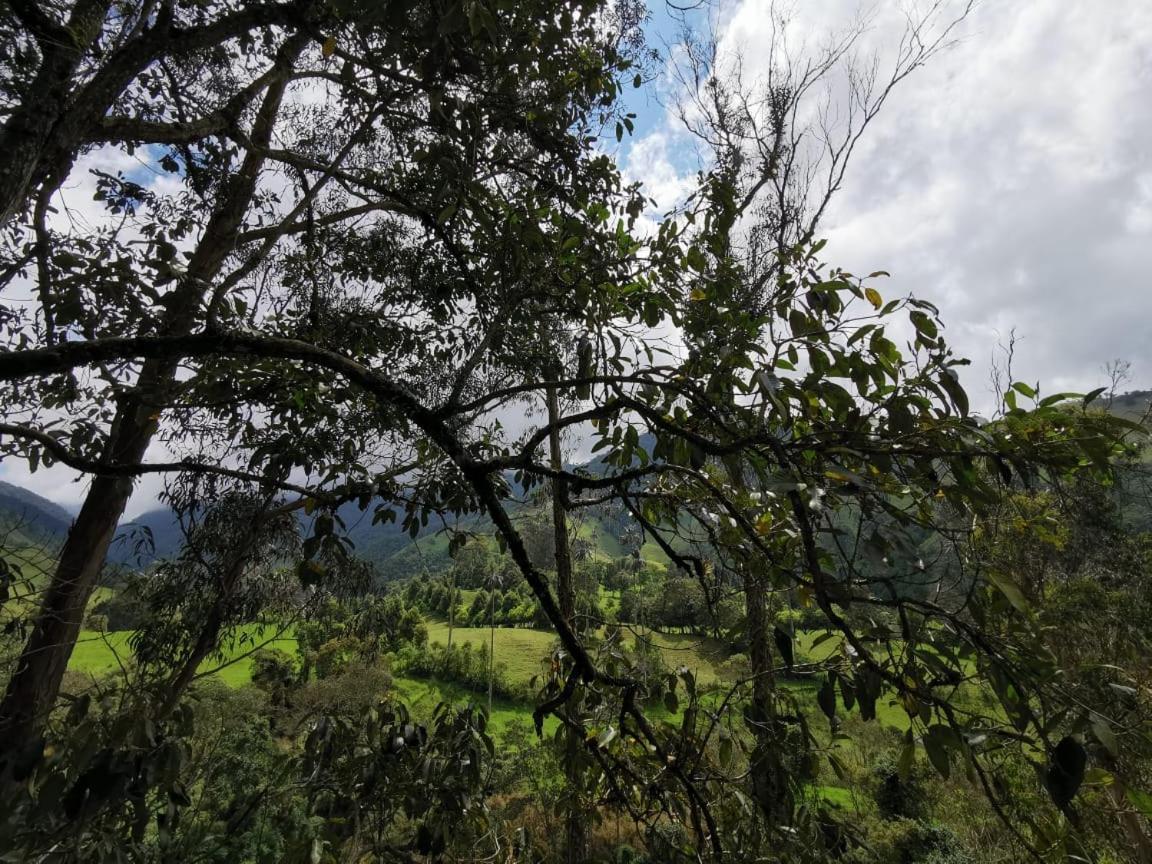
column 951, row 384
column 784, row 645
column 1142, row 801
column 847, row 694
column 826, row 699
column 1065, row 771
column 1089, row 398
column 1010, row 590
column 1102, row 729
column 725, row 751
column 936, row 742
column 1057, row 398
column 838, row 767
column 924, row 325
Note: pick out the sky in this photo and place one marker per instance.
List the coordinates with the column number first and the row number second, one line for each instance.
column 1009, row 182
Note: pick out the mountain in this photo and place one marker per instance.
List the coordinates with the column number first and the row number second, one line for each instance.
column 385, row 543
column 159, row 529
column 31, row 515
column 157, row 533
column 1133, row 405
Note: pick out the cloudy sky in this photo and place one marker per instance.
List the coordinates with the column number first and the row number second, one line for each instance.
column 1009, row 181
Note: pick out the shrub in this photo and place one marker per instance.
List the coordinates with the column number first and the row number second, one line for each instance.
column 897, row 796
column 460, row 664
column 123, row 611
column 274, row 671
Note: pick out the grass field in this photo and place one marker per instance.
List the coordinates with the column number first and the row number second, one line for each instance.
column 522, row 652
column 100, row 654
column 109, row 653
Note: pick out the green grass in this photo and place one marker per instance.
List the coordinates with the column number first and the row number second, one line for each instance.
column 837, row 796
column 605, row 544
column 700, row 654
column 522, row 652
column 99, row 654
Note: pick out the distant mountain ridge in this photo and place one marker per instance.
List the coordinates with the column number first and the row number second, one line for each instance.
column 385, row 544
column 33, row 515
column 37, row 520
column 1133, row 405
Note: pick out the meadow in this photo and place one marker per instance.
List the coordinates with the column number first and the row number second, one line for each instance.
column 521, row 652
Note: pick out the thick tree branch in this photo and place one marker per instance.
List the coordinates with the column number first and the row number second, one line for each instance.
column 107, row 469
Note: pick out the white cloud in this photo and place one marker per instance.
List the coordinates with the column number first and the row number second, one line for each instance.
column 1010, row 181
column 650, row 161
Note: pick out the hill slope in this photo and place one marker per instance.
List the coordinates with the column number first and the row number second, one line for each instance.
column 32, row 516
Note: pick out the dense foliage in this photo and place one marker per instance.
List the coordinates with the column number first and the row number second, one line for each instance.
column 380, row 231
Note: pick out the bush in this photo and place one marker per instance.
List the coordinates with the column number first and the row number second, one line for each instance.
column 124, row 611
column 347, row 694
column 274, row 671
column 899, row 797
column 460, row 664
column 911, row 841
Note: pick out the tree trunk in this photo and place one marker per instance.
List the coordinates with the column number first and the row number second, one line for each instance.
column 35, row 684
column 575, row 841
column 770, row 783
column 564, row 585
column 771, row 786
column 451, row 607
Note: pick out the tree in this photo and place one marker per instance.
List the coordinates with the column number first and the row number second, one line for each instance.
column 438, row 97
column 33, row 688
column 228, row 573
column 473, row 565
column 371, row 360
column 1080, row 568
column 85, row 74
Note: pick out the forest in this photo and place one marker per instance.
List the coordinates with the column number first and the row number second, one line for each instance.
column 507, row 516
